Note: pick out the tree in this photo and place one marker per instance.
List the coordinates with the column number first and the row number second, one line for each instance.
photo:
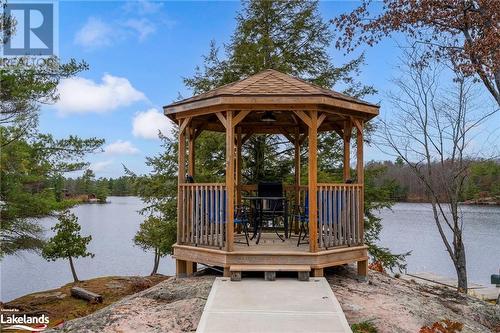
column 67, row 243
column 288, row 36
column 31, row 162
column 158, row 190
column 28, row 168
column 156, row 234
column 465, row 32
column 434, row 124
column 101, row 190
column 88, row 182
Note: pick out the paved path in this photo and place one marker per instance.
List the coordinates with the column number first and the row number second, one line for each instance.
column 284, row 305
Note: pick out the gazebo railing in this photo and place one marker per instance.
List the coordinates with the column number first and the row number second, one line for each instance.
column 202, row 214
column 339, row 215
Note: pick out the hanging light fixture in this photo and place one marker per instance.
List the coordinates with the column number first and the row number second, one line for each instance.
column 268, row 117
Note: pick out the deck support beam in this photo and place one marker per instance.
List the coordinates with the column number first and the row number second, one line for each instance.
column 191, row 268
column 318, row 272
column 180, row 268
column 363, row 269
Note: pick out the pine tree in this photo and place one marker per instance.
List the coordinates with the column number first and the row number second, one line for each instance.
column 67, row 243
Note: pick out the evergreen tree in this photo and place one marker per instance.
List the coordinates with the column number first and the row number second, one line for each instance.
column 156, row 234
column 158, row 190
column 31, row 162
column 101, row 190
column 88, row 182
column 67, row 243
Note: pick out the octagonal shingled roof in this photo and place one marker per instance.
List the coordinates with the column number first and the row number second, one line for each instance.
column 265, row 84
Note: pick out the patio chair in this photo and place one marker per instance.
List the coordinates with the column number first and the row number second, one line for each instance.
column 241, row 217
column 218, row 216
column 302, row 215
column 275, row 208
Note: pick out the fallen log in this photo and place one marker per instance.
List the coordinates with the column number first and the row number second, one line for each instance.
column 86, row 295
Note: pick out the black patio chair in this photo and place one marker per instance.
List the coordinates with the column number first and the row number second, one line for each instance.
column 275, row 208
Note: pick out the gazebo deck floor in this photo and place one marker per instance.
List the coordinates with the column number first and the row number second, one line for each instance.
column 270, row 251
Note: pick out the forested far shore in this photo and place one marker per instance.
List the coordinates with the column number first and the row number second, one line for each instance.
column 482, row 185
column 89, row 188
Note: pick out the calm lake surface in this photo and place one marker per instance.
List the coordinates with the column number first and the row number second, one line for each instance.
column 112, row 226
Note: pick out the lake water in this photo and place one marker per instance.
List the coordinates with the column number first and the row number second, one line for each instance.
column 411, row 227
column 112, row 226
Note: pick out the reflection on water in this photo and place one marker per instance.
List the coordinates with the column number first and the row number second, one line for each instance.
column 411, row 227
column 112, row 227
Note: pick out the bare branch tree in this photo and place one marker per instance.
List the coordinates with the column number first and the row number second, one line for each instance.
column 432, row 129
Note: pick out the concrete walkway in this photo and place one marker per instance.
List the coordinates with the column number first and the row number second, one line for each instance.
column 284, row 305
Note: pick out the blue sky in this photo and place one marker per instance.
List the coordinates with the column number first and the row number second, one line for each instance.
column 138, row 52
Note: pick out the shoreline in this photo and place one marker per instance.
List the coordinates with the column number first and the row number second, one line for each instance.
column 60, row 306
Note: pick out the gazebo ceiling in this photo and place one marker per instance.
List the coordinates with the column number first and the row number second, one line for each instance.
column 274, row 91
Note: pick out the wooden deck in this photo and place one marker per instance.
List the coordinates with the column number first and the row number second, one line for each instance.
column 269, row 242
column 270, row 251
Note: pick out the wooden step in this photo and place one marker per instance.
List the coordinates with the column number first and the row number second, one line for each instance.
column 269, row 268
column 270, row 271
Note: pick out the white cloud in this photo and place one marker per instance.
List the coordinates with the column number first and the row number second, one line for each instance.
column 147, row 124
column 136, row 19
column 80, row 95
column 95, row 33
column 142, row 27
column 100, row 166
column 142, row 7
column 120, row 147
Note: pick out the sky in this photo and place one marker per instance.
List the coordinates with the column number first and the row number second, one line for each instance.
column 138, row 53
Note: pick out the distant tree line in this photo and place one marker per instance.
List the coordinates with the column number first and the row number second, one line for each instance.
column 483, row 180
column 100, row 188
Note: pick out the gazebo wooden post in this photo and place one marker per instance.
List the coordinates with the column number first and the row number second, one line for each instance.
column 181, row 265
column 229, row 181
column 238, row 171
column 297, row 174
column 362, row 265
column 313, row 181
column 191, row 267
column 191, row 150
column 347, row 149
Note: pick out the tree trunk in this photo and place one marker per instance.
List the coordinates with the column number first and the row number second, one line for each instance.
column 75, row 277
column 156, row 263
column 460, row 265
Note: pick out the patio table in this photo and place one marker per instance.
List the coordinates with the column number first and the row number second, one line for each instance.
column 258, row 203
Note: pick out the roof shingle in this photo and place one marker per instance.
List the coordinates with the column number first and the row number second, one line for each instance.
column 270, row 82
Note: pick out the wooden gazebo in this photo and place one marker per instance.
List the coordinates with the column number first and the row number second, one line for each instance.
column 300, row 110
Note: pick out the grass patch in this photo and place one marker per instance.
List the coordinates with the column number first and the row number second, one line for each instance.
column 60, row 306
column 364, row 327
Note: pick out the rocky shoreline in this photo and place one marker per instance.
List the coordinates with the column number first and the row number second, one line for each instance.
column 392, row 305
